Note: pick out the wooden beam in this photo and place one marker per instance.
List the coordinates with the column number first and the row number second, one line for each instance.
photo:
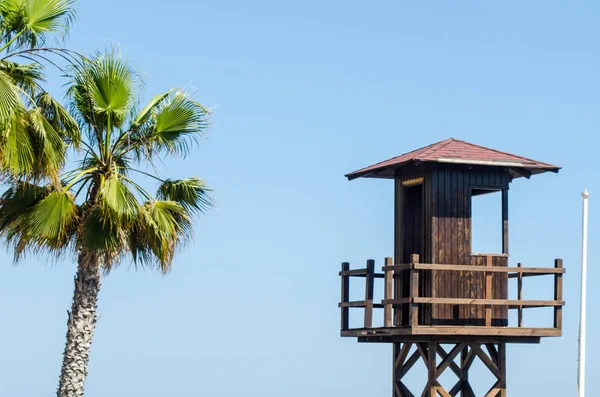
column 388, row 294
column 369, row 286
column 448, row 359
column 558, row 294
column 522, row 171
column 488, row 291
column 502, row 365
column 398, row 246
column 487, row 361
column 345, row 297
column 505, row 221
column 492, row 302
column 469, row 268
column 409, row 364
column 520, row 296
column 414, row 292
column 400, row 357
column 431, row 369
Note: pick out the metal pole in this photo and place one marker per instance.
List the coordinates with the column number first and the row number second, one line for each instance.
column 583, row 308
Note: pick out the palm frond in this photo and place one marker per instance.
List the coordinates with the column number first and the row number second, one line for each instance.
column 173, row 125
column 104, row 89
column 25, row 76
column 119, row 204
column 59, row 118
column 10, row 101
column 191, row 193
column 160, row 228
column 53, row 221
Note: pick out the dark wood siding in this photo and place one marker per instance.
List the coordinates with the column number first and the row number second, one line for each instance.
column 434, row 220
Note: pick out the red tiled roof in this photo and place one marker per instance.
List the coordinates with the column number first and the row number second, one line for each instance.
column 454, row 151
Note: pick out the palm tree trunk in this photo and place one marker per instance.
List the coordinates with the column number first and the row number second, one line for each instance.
column 80, row 327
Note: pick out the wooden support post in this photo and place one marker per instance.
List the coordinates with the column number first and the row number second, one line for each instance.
column 558, row 294
column 488, row 291
column 388, row 309
column 505, row 221
column 414, row 293
column 502, row 367
column 464, row 379
column 431, row 370
column 520, row 295
column 369, row 285
column 345, row 296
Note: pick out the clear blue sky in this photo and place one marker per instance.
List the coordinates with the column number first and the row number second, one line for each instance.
column 304, row 93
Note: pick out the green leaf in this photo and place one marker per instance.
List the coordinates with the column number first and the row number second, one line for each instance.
column 161, row 227
column 48, row 15
column 52, row 220
column 191, row 193
column 59, row 118
column 119, row 203
column 16, row 200
column 10, row 102
column 104, row 89
column 177, row 124
column 144, row 114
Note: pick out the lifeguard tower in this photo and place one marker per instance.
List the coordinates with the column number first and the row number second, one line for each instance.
column 443, row 303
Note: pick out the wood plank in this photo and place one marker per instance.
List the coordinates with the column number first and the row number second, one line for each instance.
column 345, row 297
column 495, row 269
column 369, row 286
column 520, row 297
column 489, row 363
column 441, row 391
column 558, row 294
column 448, row 359
column 398, row 243
column 502, row 365
column 388, row 293
column 505, row 221
column 494, row 302
column 409, row 364
column 431, row 369
column 488, row 292
column 401, row 358
column 516, row 270
column 453, row 333
column 414, row 292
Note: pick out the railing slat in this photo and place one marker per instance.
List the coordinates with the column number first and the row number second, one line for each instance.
column 488, row 290
column 520, row 296
column 558, row 294
column 345, row 296
column 388, row 294
column 414, row 293
column 369, row 286
column 470, row 268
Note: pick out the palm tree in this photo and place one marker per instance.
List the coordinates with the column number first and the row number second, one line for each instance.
column 35, row 130
column 99, row 210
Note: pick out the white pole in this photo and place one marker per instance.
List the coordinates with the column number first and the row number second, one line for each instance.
column 583, row 308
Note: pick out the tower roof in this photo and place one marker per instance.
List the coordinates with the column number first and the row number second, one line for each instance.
column 458, row 152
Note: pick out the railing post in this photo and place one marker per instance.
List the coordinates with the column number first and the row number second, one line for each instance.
column 345, row 296
column 414, row 292
column 369, row 285
column 558, row 294
column 520, row 295
column 388, row 294
column 488, row 291
column 398, row 293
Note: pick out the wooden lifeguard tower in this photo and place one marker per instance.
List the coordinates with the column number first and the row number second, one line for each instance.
column 442, row 303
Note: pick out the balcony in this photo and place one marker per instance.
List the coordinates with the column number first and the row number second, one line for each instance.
column 404, row 299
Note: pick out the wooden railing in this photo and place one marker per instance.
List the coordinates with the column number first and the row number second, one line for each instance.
column 392, row 286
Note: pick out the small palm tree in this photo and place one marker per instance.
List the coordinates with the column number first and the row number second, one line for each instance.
column 99, row 210
column 35, row 130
